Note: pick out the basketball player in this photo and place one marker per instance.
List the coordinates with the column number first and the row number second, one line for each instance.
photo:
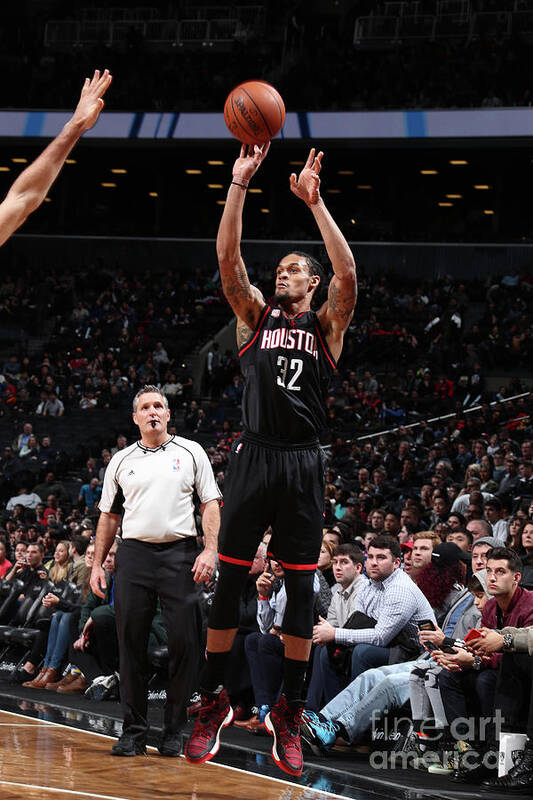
column 288, row 354
column 32, row 185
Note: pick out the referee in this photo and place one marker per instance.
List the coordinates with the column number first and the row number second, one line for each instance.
column 152, row 482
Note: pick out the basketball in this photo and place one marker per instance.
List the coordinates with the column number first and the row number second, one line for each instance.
column 254, row 112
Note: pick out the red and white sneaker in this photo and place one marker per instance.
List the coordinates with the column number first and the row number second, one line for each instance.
column 283, row 723
column 215, row 714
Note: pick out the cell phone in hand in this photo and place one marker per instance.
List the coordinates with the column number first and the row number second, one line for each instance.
column 447, row 648
column 472, row 634
column 426, row 625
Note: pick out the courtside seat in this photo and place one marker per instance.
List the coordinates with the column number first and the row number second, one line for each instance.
column 9, row 602
column 27, row 609
column 40, row 616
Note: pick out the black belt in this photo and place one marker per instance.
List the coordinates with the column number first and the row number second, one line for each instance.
column 160, row 546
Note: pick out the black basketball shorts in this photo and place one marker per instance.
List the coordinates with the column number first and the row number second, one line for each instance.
column 281, row 486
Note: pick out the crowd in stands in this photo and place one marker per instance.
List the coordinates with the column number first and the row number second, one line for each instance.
column 429, row 513
column 420, row 74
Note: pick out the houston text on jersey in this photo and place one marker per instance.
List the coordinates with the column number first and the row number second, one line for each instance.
column 290, row 339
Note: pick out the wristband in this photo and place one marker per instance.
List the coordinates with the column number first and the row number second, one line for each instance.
column 477, row 663
column 262, row 598
column 242, row 185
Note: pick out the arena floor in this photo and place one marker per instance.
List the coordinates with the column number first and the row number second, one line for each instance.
column 55, row 746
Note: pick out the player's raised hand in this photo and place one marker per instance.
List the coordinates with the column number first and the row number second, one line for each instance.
column 250, row 159
column 91, row 103
column 307, row 185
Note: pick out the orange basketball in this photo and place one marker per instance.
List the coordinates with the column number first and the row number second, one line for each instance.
column 254, row 112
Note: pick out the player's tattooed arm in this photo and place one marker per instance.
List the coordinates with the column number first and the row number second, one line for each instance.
column 246, row 301
column 244, row 334
column 336, row 314
column 342, row 298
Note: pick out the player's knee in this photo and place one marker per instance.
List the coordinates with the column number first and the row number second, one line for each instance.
column 298, row 619
column 225, row 609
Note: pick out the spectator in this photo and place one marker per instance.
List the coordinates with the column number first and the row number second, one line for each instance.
column 462, row 538
column 53, row 406
column 30, row 569
column 325, row 562
column 51, row 486
column 480, row 548
column 23, row 498
column 380, row 690
column 390, row 599
column 479, row 528
column 60, row 568
column 494, row 515
column 423, row 544
column 5, row 563
column 89, row 496
column 510, row 605
column 509, row 482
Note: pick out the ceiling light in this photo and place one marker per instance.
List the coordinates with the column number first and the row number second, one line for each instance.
column 193, row 171
column 70, row 161
column 118, row 171
column 454, row 196
column 481, row 186
column 345, row 172
column 445, row 205
column 255, row 191
column 47, row 199
column 153, row 194
column 297, row 163
column 19, row 160
column 352, row 221
column 364, row 186
column 458, row 162
column 265, row 211
column 221, row 202
column 4, row 169
column 333, row 191
column 488, row 211
column 108, row 185
column 429, row 172
column 214, row 186
column 215, row 163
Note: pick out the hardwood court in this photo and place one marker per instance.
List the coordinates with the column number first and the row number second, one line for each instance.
column 40, row 760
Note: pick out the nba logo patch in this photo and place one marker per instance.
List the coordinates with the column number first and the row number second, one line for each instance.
column 176, row 465
column 276, row 312
column 238, row 448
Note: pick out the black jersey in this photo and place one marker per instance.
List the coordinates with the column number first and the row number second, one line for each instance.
column 287, row 367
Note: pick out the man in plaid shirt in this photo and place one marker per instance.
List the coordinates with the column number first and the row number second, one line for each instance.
column 392, row 599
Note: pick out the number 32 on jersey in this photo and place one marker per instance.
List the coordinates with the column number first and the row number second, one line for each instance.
column 289, row 372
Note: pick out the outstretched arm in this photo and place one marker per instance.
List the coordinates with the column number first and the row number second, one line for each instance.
column 336, row 313
column 246, row 300
column 32, row 185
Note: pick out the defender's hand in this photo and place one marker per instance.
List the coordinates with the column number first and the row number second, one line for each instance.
column 91, row 103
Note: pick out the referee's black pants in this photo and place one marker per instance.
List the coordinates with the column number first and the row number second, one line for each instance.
column 145, row 572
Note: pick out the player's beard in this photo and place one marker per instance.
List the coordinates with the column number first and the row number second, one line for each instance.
column 282, row 297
